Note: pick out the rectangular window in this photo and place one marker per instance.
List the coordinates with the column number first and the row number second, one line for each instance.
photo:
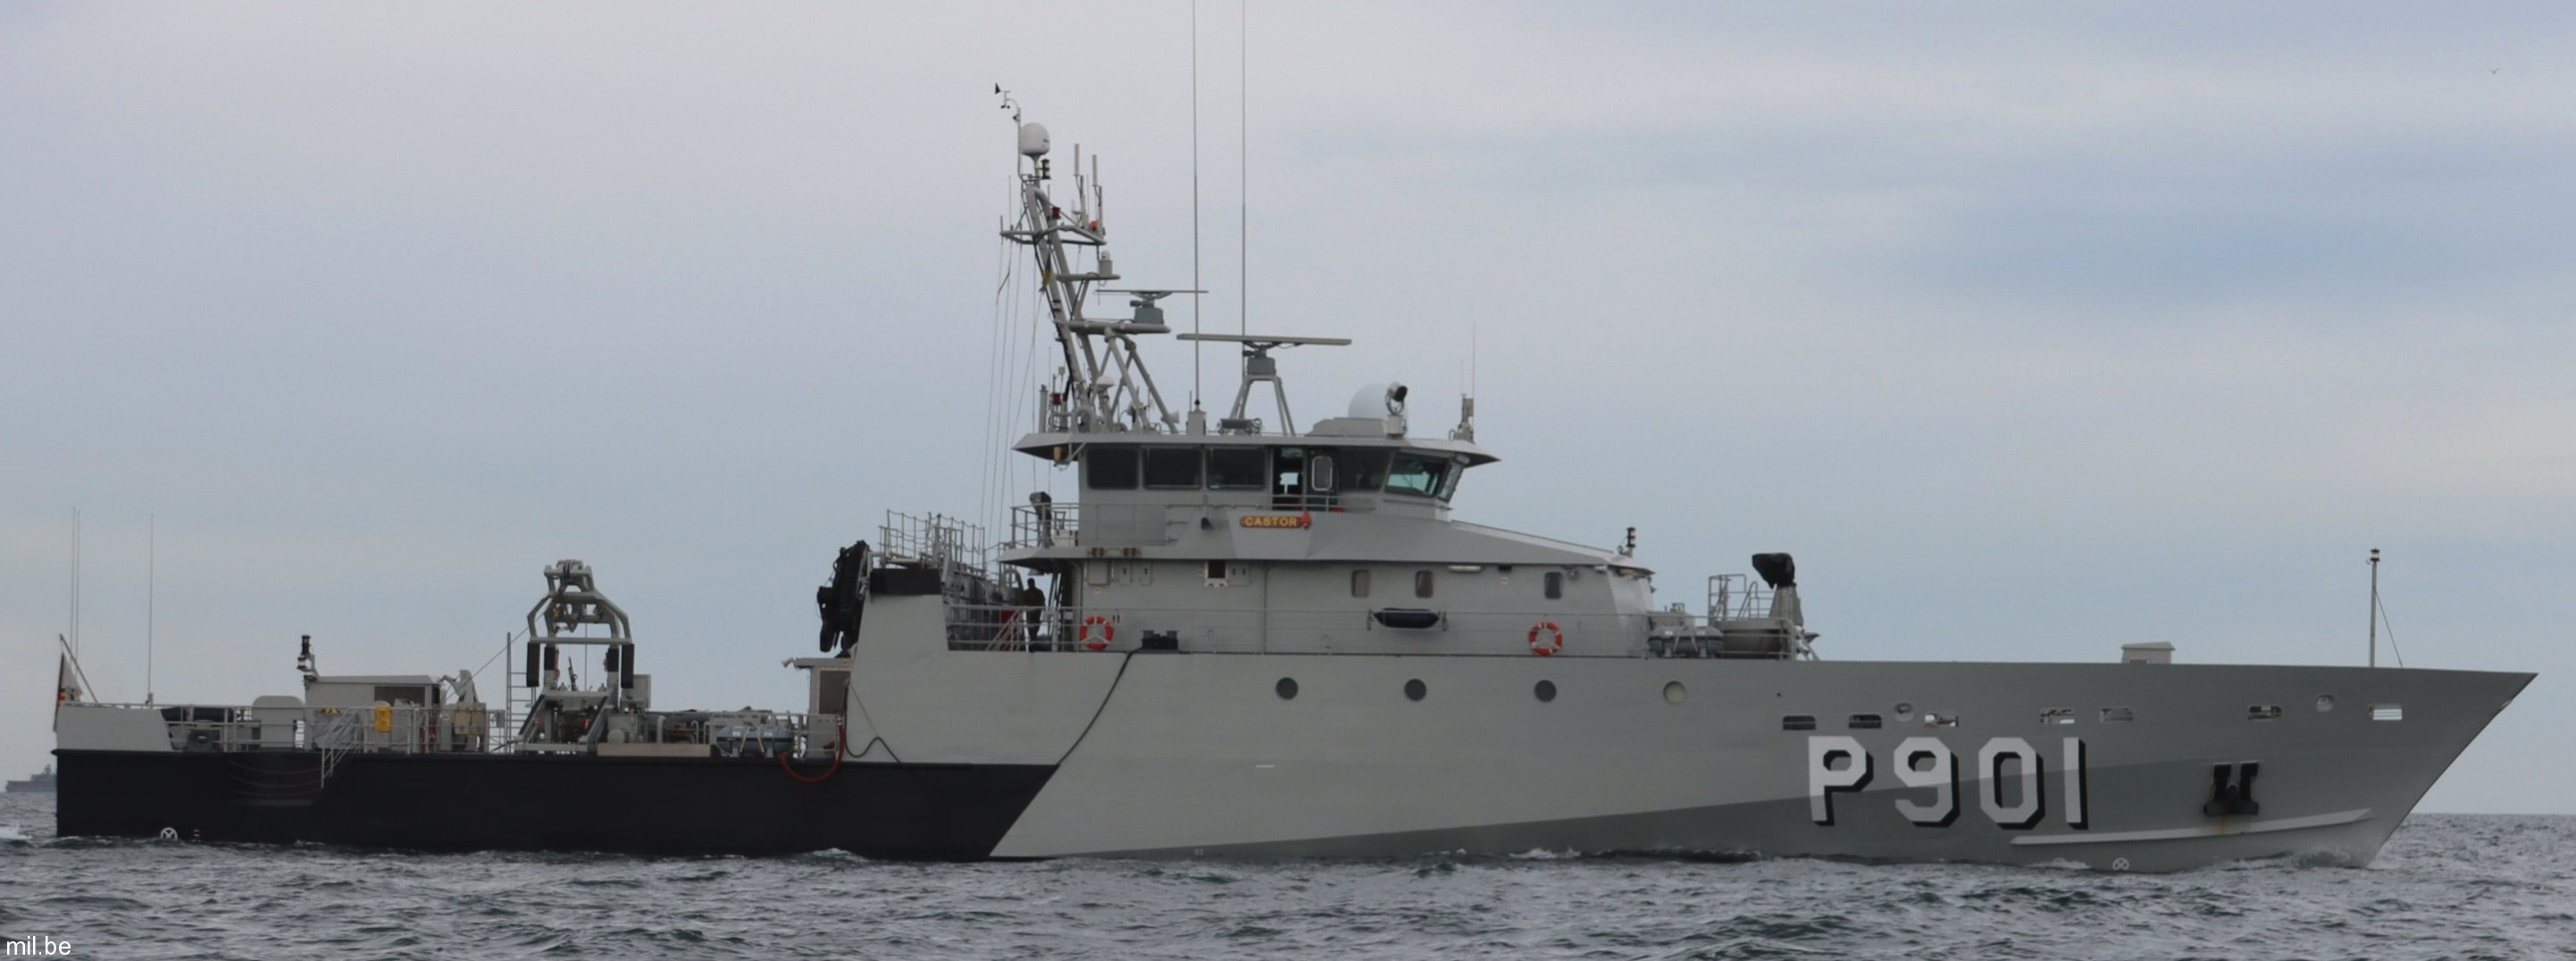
column 390, row 694
column 1237, row 468
column 2387, row 712
column 1363, row 470
column 1172, row 468
column 2263, row 712
column 1417, row 474
column 1798, row 722
column 1288, row 477
column 2057, row 715
column 1865, row 722
column 1555, row 585
column 1359, row 583
column 1109, row 468
column 2118, row 715
column 1422, row 583
column 1216, row 572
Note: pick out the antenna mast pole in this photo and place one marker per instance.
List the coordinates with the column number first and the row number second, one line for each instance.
column 76, row 585
column 1243, row 173
column 1198, row 381
column 2374, row 607
column 1106, row 385
column 151, row 594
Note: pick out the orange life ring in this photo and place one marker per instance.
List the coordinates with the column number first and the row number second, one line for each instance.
column 1108, row 632
column 1545, row 640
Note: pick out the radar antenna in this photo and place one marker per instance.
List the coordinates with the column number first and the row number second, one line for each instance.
column 1259, row 366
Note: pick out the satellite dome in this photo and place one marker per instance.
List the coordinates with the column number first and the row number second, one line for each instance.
column 1033, row 140
column 1379, row 400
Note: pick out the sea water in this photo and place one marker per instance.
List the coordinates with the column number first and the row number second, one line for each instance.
column 2446, row 886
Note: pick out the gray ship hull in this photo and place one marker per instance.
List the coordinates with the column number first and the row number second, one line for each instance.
column 2108, row 766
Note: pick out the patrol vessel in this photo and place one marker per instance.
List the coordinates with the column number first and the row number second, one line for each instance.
column 41, row 783
column 1246, row 639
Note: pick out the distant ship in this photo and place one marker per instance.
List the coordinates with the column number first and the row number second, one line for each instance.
column 42, row 783
column 1244, row 639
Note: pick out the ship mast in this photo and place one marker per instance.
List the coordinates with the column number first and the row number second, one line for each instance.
column 1104, row 385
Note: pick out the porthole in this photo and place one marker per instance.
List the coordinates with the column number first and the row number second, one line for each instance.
column 1287, row 689
column 1415, row 690
column 1546, row 691
column 1675, row 693
column 2325, row 702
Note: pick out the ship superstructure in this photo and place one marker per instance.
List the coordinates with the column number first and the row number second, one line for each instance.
column 1239, row 637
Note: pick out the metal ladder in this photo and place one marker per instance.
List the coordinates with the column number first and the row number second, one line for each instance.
column 337, row 740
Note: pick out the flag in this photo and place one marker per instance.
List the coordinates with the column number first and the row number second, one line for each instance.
column 66, row 689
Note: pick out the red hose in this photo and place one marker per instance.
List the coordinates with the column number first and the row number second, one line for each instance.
column 828, row 772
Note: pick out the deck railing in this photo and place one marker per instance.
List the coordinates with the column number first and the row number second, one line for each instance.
column 337, row 732
column 1064, row 524
column 1104, row 628
column 1053, row 628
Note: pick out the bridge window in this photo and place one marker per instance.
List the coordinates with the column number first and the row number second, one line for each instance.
column 1172, row 468
column 1109, row 468
column 1237, row 469
column 1555, row 581
column 1421, row 475
column 1363, row 470
column 1359, row 583
column 1422, row 583
column 1288, row 477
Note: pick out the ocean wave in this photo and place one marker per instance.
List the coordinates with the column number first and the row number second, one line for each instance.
column 2444, row 886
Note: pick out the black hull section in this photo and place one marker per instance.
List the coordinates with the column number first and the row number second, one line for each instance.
column 536, row 802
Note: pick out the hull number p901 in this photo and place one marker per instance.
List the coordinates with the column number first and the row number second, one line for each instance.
column 2011, row 780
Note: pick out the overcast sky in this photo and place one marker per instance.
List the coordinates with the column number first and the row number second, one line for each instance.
column 2031, row 330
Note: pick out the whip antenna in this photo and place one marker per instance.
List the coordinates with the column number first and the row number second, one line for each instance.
column 1198, row 381
column 1243, row 170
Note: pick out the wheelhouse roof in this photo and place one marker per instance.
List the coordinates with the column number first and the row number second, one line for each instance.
column 1044, row 444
